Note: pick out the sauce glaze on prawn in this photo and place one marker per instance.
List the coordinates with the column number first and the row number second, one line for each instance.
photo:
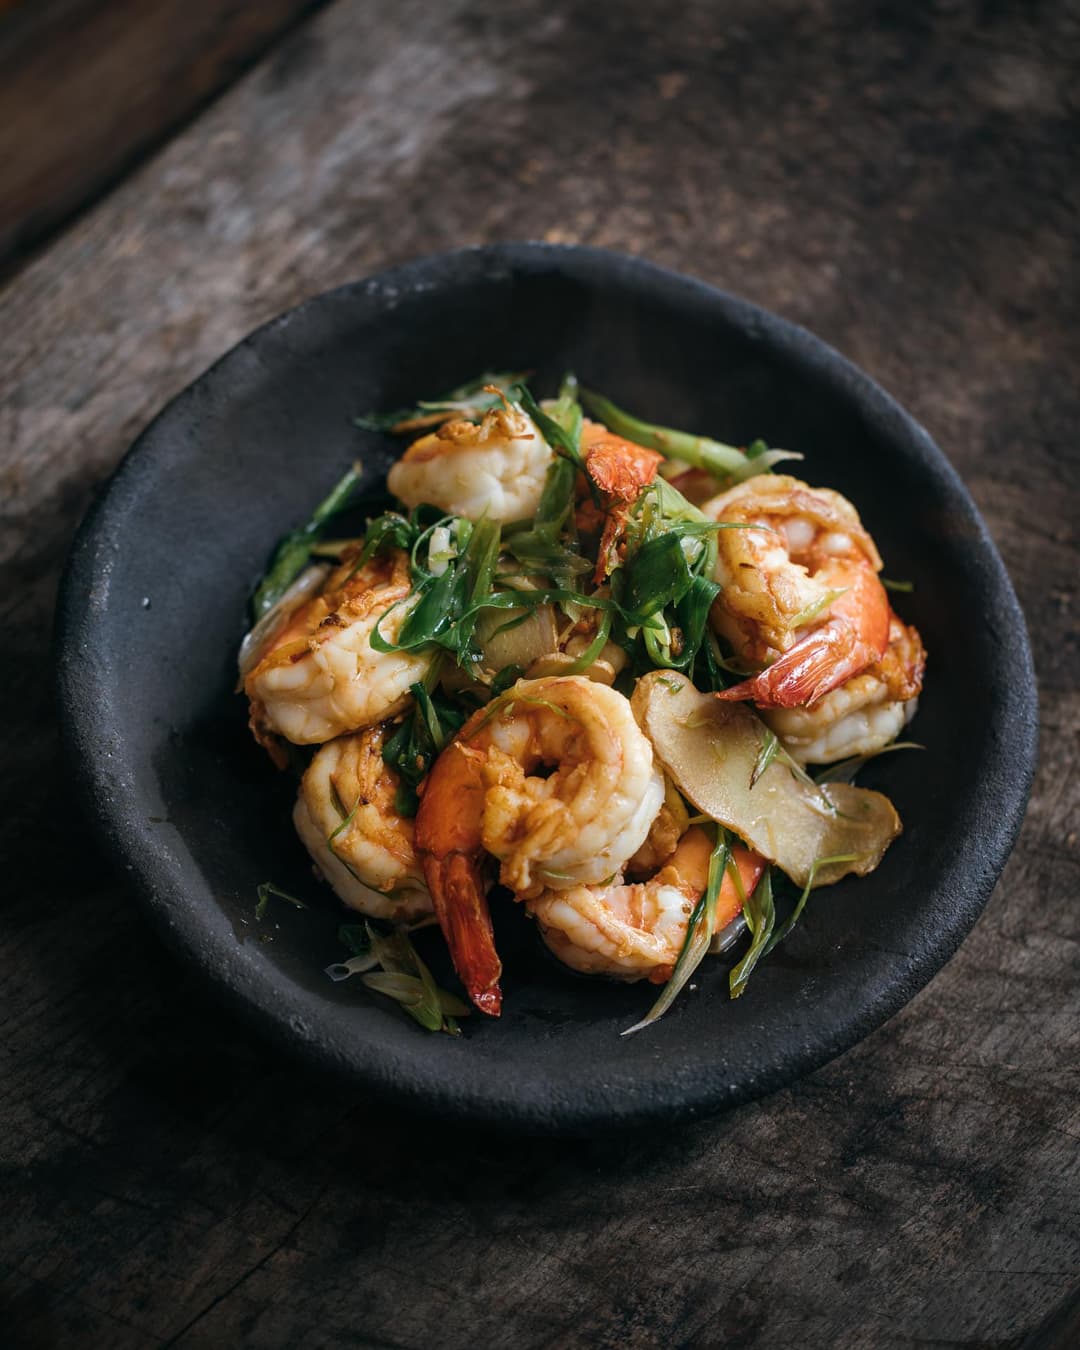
column 346, row 818
column 864, row 713
column 495, row 469
column 636, row 931
column 319, row 676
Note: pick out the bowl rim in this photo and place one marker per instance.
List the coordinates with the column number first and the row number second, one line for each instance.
column 185, row 928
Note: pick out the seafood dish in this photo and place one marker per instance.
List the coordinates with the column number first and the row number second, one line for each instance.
column 617, row 674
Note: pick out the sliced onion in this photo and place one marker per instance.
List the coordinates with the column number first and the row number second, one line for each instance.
column 537, row 635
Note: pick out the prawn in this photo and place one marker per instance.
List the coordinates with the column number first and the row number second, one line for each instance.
column 800, row 591
column 864, row 713
column 319, row 676
column 495, row 468
column 557, row 782
column 346, row 818
column 634, row 932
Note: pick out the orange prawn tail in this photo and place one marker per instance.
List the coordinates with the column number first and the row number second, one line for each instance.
column 457, row 891
column 854, row 637
column 449, row 845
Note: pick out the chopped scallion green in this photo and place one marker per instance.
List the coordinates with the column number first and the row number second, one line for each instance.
column 699, row 932
column 268, row 889
column 724, row 462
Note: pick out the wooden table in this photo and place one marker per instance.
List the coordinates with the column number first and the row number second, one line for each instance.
column 903, row 180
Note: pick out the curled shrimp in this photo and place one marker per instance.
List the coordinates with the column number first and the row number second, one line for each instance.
column 346, row 817
column 495, row 468
column 557, row 782
column 864, row 713
column 319, row 675
column 636, row 931
column 800, row 592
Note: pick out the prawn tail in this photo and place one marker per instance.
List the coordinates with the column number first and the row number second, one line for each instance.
column 802, row 675
column 824, row 659
column 457, row 891
column 729, row 901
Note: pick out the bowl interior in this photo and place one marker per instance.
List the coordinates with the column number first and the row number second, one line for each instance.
column 154, row 608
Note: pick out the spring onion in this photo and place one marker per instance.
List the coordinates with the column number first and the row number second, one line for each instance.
column 725, row 462
column 264, row 893
column 699, row 934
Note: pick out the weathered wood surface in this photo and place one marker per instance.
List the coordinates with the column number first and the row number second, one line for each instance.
column 86, row 88
column 903, row 180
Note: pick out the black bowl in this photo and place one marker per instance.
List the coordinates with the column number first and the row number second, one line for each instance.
column 153, row 607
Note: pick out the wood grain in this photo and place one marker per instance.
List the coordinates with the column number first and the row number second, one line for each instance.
column 86, row 88
column 901, row 179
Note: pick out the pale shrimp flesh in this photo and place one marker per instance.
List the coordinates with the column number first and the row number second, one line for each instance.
column 668, row 827
column 345, row 814
column 556, row 781
column 495, row 468
column 636, row 931
column 800, row 591
column 319, row 675
column 863, row 714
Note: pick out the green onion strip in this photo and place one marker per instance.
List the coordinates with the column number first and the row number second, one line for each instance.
column 699, row 933
column 725, row 462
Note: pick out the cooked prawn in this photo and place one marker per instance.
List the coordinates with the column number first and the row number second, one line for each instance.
column 635, row 932
column 495, row 468
column 800, row 592
column 557, row 782
column 864, row 713
column 319, row 676
column 346, row 817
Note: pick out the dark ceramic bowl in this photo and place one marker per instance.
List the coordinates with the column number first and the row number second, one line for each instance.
column 154, row 605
